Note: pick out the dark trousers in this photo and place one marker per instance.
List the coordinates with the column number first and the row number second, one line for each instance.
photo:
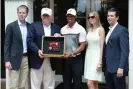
column 114, row 82
column 73, row 71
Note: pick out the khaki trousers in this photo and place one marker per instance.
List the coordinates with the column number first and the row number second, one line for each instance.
column 44, row 76
column 18, row 78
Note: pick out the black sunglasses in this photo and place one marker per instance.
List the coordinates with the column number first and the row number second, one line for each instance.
column 92, row 17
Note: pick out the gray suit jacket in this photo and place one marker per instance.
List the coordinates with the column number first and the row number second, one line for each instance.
column 13, row 46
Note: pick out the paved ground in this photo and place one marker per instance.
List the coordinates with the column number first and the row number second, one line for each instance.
column 3, row 85
column 84, row 86
column 60, row 86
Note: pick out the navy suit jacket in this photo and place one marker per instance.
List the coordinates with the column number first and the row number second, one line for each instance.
column 34, row 39
column 116, row 51
column 13, row 46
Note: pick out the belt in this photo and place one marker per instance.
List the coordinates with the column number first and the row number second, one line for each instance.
column 25, row 54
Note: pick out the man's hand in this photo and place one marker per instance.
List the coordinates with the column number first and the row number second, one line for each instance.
column 57, row 35
column 119, row 72
column 8, row 65
column 68, row 55
column 40, row 54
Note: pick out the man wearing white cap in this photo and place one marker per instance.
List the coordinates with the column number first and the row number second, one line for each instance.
column 41, row 68
column 75, row 43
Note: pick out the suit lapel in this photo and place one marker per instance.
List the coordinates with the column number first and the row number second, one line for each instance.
column 52, row 30
column 114, row 31
column 27, row 25
column 42, row 28
column 18, row 31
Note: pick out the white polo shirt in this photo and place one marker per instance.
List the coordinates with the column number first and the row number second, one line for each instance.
column 75, row 29
column 74, row 35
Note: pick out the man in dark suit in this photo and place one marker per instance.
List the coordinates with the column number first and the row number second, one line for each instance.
column 115, row 52
column 41, row 67
column 15, row 49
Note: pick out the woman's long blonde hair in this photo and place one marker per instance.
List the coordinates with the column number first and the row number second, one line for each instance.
column 94, row 13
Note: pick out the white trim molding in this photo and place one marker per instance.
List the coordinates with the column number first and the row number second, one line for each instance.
column 130, row 26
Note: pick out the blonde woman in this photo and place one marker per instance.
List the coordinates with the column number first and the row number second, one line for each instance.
column 93, row 59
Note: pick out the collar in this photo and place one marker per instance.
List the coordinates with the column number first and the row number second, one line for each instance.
column 75, row 24
column 20, row 24
column 113, row 27
column 47, row 26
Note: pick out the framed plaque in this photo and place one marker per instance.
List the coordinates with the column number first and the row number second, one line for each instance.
column 53, row 46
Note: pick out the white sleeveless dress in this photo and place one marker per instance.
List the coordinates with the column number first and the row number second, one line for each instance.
column 92, row 57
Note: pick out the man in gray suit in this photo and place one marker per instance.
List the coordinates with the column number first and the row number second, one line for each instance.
column 15, row 50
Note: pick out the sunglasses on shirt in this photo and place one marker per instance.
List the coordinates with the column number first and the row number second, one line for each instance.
column 92, row 17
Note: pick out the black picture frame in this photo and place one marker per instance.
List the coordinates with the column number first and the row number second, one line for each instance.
column 59, row 50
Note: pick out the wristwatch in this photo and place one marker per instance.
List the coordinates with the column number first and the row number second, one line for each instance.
column 73, row 55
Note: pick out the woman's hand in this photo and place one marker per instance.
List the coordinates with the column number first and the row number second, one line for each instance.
column 99, row 67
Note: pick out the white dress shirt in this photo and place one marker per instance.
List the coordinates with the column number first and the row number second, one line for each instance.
column 111, row 28
column 23, row 30
column 47, row 30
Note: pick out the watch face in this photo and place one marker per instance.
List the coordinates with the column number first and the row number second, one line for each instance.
column 53, row 46
column 73, row 55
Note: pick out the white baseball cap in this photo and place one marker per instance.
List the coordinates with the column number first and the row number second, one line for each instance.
column 71, row 11
column 47, row 11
